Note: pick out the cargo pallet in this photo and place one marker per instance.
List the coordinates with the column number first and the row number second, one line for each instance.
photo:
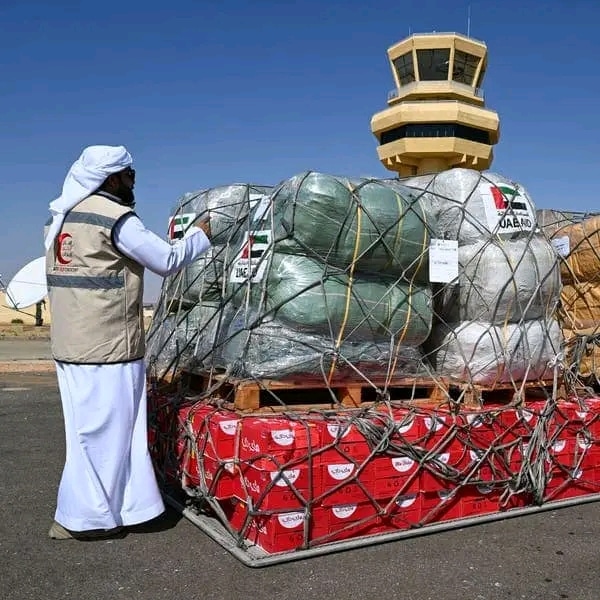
column 306, row 392
column 254, row 556
column 563, row 475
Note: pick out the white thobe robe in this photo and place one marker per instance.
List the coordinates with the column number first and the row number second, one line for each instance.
column 108, row 478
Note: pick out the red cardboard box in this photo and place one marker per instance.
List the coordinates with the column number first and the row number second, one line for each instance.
column 443, row 505
column 394, row 475
column 446, row 466
column 271, row 487
column 334, row 523
column 214, row 430
column 341, row 441
column 222, row 478
column 478, row 500
column 262, row 438
column 273, row 533
column 409, row 426
column 404, row 512
column 345, row 483
column 573, row 483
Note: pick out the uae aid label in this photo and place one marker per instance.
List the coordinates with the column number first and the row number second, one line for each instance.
column 251, row 263
column 507, row 209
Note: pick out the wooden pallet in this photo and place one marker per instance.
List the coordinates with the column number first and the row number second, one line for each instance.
column 309, row 392
column 477, row 396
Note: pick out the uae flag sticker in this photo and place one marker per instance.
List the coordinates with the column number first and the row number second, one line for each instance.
column 250, row 263
column 179, row 224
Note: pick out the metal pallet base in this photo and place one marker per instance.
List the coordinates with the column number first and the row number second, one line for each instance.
column 253, row 556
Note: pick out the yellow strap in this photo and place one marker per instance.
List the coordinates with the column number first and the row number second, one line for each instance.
column 350, row 281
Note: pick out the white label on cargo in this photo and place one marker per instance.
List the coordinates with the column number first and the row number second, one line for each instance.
column 251, row 262
column 507, row 210
column 443, row 260
column 262, row 204
column 562, row 245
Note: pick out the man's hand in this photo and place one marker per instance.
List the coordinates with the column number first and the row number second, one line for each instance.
column 204, row 224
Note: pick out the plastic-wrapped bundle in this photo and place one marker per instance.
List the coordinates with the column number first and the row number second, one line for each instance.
column 203, row 279
column 580, row 306
column 502, row 281
column 484, row 354
column 254, row 347
column 230, row 209
column 369, row 223
column 582, row 264
column 468, row 206
column 582, row 352
column 227, row 206
column 185, row 338
column 312, row 297
column 550, row 221
column 171, row 342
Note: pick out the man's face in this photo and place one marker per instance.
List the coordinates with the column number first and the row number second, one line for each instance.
column 121, row 184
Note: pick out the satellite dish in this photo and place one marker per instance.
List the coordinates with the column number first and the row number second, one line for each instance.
column 28, row 286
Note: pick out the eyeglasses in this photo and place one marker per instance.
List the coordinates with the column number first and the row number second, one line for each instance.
column 129, row 172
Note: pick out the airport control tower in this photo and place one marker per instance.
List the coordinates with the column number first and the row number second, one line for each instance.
column 436, row 117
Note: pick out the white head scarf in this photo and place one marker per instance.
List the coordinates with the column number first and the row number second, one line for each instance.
column 85, row 176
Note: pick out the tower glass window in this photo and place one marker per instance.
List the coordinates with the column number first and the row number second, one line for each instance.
column 433, row 64
column 405, row 68
column 481, row 76
column 465, row 66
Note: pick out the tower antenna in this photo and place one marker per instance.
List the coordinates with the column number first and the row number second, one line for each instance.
column 469, row 20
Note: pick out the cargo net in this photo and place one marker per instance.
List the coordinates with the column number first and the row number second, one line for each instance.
column 349, row 305
column 576, row 239
column 300, row 480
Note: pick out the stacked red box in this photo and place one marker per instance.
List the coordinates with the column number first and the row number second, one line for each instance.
column 279, row 439
column 270, row 486
column 441, row 505
column 213, row 430
column 591, row 418
column 279, row 532
column 478, row 500
column 278, row 465
column 317, row 479
column 403, row 511
column 489, row 439
column 444, row 457
column 573, row 466
column 345, row 521
column 397, row 475
column 520, row 422
column 220, row 478
column 341, row 441
column 206, row 450
column 345, row 483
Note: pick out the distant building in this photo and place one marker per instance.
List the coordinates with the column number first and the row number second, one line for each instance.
column 27, row 315
column 436, row 117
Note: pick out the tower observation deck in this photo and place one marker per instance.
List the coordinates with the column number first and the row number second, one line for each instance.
column 436, row 117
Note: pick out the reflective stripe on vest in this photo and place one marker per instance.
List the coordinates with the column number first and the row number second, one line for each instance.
column 86, row 283
column 90, row 219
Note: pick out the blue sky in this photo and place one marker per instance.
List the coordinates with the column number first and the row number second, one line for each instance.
column 209, row 93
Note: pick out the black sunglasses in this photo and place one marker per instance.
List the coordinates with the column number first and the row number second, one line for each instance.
column 129, row 172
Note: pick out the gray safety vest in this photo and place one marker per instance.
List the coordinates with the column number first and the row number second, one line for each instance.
column 95, row 292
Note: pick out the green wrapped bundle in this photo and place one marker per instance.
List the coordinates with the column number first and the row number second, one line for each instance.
column 313, row 297
column 381, row 228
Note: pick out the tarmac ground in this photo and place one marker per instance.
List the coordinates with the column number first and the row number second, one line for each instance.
column 545, row 556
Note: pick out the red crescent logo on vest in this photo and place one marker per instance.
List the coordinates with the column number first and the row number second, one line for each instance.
column 63, row 248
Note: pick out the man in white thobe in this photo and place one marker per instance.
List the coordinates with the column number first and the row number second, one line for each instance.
column 96, row 253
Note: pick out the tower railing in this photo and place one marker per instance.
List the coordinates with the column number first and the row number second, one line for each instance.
column 477, row 92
